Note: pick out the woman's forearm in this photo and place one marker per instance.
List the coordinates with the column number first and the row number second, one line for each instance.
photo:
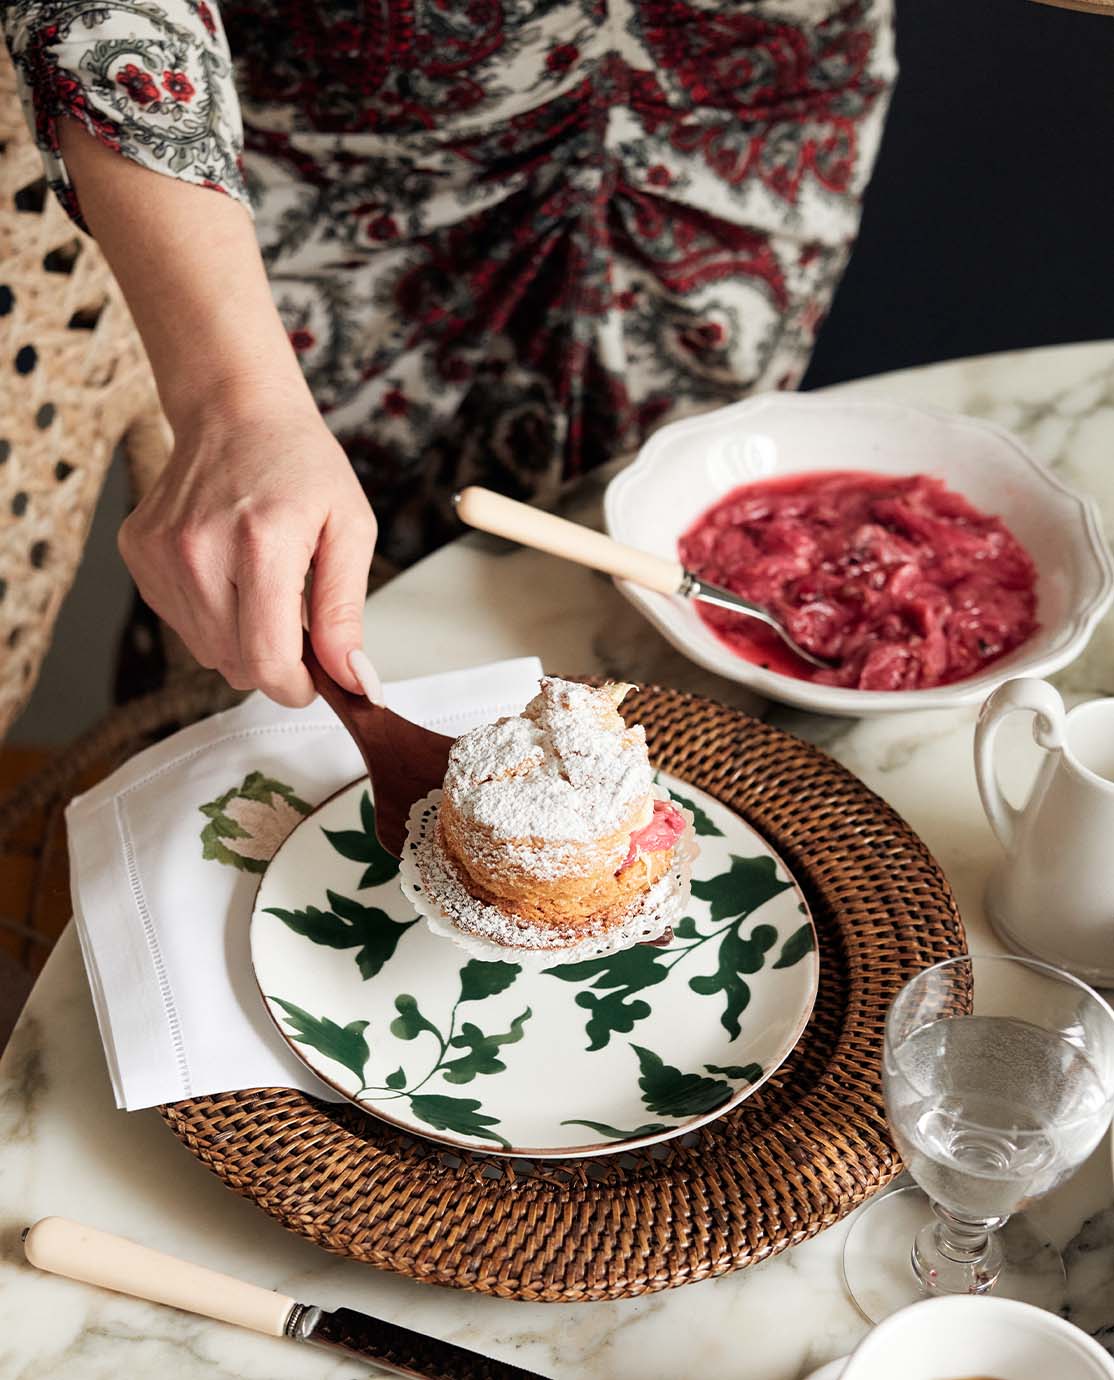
column 189, row 266
column 257, row 491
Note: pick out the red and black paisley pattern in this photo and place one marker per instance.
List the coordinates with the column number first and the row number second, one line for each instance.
column 507, row 237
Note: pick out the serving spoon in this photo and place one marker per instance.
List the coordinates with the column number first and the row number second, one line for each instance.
column 503, row 517
column 404, row 760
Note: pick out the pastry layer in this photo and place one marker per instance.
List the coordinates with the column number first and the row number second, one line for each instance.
column 605, row 893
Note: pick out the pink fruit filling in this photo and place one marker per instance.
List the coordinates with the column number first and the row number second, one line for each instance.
column 900, row 582
column 664, row 829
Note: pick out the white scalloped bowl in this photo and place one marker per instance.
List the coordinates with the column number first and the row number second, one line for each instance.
column 686, row 466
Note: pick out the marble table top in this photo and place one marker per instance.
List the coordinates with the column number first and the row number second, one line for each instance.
column 66, row 1150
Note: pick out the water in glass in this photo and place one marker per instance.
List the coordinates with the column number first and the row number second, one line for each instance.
column 990, row 1112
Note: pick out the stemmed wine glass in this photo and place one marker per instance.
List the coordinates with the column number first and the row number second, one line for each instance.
column 998, row 1076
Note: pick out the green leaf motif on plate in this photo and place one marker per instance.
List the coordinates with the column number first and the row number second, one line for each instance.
column 748, row 884
column 701, row 822
column 602, row 1128
column 348, row 1046
column 736, row 957
column 669, row 1092
column 349, row 925
column 747, row 1073
column 409, row 1023
column 247, row 823
column 344, row 1044
column 799, row 943
column 732, row 896
column 612, row 1014
column 626, row 972
column 480, row 978
column 362, row 845
column 459, row 1114
column 484, row 1050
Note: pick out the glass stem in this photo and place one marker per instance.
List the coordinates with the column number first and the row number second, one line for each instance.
column 958, row 1255
column 963, row 1239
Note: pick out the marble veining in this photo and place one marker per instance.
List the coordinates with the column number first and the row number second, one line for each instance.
column 66, row 1150
column 1089, row 1263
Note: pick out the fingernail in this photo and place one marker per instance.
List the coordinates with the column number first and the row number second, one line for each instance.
column 360, row 665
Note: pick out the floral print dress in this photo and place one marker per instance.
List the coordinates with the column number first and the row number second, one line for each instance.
column 508, row 238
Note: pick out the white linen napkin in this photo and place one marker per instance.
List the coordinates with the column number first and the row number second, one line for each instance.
column 165, row 857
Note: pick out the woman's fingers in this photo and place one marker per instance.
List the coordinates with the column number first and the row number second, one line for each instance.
column 269, row 584
column 187, row 589
column 368, row 677
column 339, row 590
column 235, row 677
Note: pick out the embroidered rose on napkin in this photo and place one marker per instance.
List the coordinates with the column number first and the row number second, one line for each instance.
column 248, row 822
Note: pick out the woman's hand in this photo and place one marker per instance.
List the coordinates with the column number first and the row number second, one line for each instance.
column 256, row 494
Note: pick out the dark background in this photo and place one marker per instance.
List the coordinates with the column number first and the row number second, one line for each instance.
column 989, row 222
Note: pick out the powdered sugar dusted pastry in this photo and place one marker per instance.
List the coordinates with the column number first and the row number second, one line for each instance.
column 549, row 830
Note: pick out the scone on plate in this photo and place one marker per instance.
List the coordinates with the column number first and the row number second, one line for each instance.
column 550, row 831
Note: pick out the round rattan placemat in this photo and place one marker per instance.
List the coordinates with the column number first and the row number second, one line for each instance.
column 809, row 1146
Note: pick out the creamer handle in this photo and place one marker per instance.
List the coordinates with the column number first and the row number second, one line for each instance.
column 1037, row 697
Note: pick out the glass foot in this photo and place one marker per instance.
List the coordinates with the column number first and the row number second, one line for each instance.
column 878, row 1258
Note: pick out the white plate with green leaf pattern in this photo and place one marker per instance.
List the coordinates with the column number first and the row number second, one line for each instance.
column 576, row 1059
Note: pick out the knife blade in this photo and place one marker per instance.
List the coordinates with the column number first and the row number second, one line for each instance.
column 64, row 1247
column 397, row 1349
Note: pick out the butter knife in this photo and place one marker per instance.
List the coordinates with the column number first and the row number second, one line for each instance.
column 64, row 1247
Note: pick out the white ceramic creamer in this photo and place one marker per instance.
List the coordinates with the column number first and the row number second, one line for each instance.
column 1052, row 896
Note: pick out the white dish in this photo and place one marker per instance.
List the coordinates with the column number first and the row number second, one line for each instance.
column 576, row 1059
column 962, row 1337
column 687, row 466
